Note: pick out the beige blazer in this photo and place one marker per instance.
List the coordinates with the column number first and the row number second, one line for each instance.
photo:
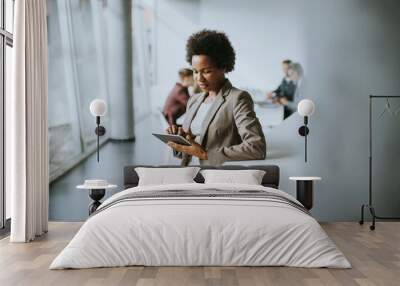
column 230, row 131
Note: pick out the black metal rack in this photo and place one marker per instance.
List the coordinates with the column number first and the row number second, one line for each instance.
column 369, row 205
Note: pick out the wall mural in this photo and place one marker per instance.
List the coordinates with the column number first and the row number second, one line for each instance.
column 133, row 55
column 103, row 51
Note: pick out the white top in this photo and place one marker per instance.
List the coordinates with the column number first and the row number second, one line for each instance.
column 197, row 122
column 305, row 178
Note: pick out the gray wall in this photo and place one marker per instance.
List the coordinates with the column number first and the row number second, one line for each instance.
column 350, row 49
column 353, row 51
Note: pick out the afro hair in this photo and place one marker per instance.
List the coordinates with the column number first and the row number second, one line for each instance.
column 213, row 44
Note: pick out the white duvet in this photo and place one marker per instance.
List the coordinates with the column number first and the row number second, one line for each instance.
column 200, row 231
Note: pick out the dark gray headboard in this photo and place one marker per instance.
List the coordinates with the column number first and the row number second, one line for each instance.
column 271, row 177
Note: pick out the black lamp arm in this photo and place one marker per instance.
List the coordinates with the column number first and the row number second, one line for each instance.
column 303, row 131
column 100, row 131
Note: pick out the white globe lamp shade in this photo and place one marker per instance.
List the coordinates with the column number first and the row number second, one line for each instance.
column 98, row 107
column 306, row 107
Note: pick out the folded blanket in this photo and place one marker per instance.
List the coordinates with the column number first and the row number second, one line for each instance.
column 204, row 193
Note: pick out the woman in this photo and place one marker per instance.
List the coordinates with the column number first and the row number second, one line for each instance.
column 220, row 122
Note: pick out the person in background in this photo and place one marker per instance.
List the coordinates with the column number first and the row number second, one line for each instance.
column 296, row 75
column 286, row 86
column 285, row 92
column 175, row 104
column 290, row 101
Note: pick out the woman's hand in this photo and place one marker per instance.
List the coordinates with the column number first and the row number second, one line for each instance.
column 175, row 130
column 195, row 149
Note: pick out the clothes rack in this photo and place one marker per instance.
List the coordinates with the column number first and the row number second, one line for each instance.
column 370, row 203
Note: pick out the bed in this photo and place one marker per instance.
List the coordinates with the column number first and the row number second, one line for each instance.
column 198, row 224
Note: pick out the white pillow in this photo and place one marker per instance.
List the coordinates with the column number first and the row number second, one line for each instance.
column 248, row 177
column 164, row 176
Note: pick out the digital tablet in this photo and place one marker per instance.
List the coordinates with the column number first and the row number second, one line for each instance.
column 172, row 138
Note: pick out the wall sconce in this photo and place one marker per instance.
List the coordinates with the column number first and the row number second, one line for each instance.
column 98, row 108
column 305, row 108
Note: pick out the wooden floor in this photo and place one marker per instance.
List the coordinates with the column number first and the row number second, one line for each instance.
column 375, row 257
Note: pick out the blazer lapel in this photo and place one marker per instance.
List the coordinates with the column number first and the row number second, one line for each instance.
column 192, row 112
column 219, row 100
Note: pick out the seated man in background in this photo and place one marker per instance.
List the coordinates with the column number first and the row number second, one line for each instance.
column 289, row 93
column 286, row 86
column 285, row 91
column 175, row 104
column 296, row 75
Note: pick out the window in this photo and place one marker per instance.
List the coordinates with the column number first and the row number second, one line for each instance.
column 6, row 43
column 76, row 76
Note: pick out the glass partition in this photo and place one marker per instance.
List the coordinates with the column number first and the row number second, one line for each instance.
column 64, row 133
column 75, row 78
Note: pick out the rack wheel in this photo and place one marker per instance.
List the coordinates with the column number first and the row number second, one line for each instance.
column 361, row 222
column 372, row 227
